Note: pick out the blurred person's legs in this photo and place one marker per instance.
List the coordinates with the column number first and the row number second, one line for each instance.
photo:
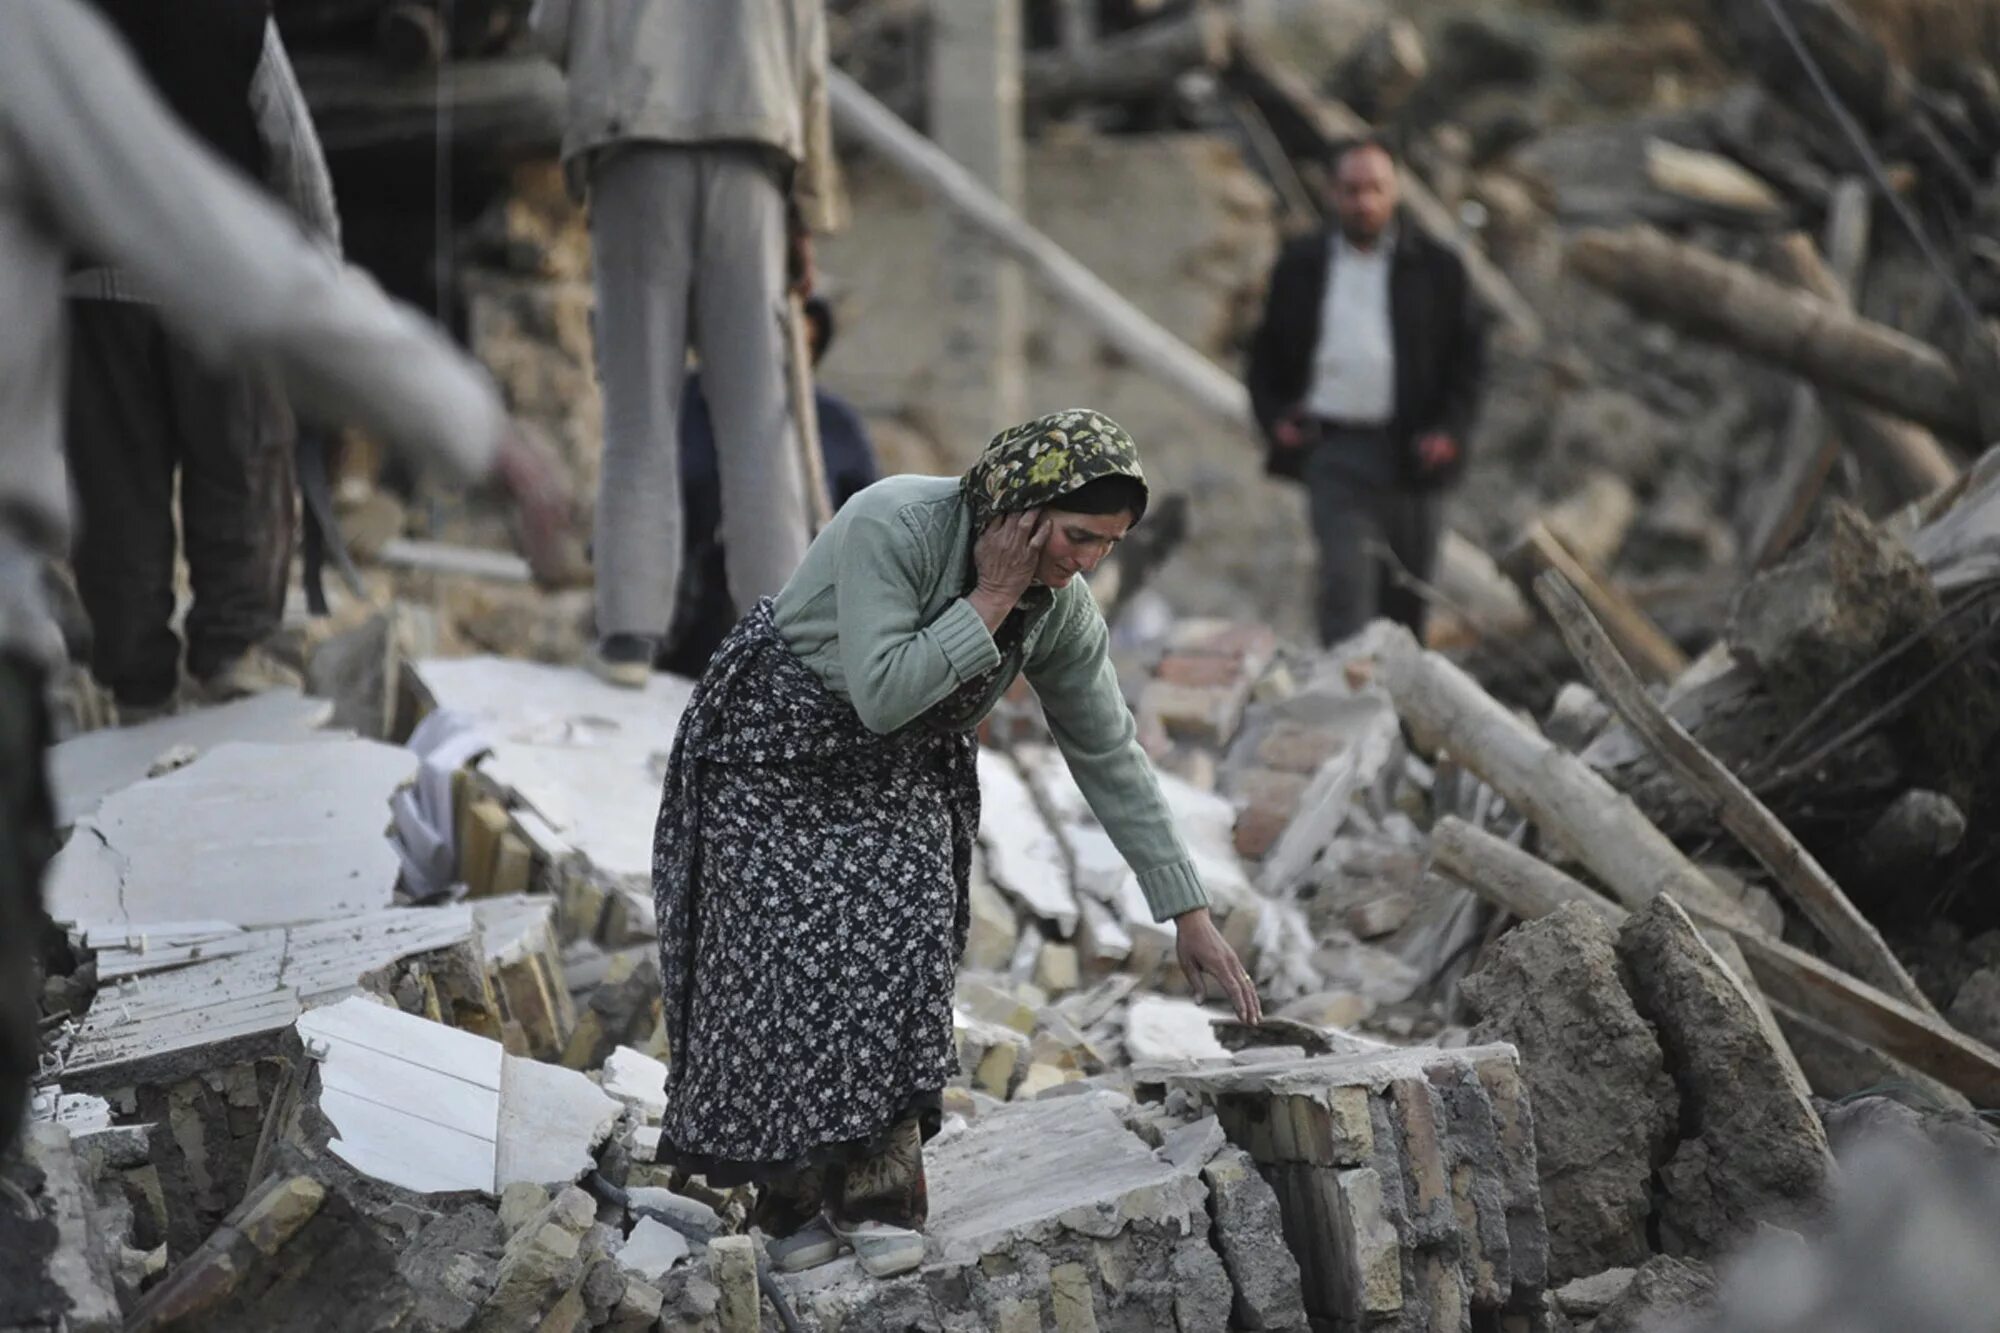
column 237, row 523
column 121, row 462
column 1412, row 523
column 1345, row 512
column 739, row 309
column 27, row 840
column 644, row 222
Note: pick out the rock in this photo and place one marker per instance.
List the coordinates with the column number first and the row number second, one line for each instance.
column 1576, row 717
column 54, row 1265
column 520, row 1203
column 1040, row 1078
column 1588, row 1297
column 1380, row 916
column 1751, row 1148
column 989, row 1055
column 1205, row 715
column 1192, row 1145
column 732, row 1266
column 1854, row 1127
column 639, row 1081
column 1341, row 1009
column 1837, row 1065
column 1160, row 1031
column 1604, row 1105
column 1664, row 1289
column 993, row 931
column 541, row 1264
column 356, row 667
column 1916, row 831
column 1247, row 1221
column 1976, row 1008
column 638, row 1308
column 1057, row 970
column 652, row 1249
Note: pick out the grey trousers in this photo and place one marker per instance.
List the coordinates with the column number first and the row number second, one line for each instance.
column 689, row 247
column 1368, row 531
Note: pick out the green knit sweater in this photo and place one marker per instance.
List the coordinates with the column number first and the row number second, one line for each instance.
column 877, row 611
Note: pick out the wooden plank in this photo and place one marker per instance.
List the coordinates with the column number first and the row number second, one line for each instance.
column 1787, row 976
column 485, row 824
column 1734, row 304
column 1811, row 889
column 1657, row 655
column 1566, row 798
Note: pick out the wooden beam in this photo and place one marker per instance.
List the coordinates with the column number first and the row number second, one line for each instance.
column 1790, row 978
column 1566, row 798
column 1836, row 349
column 1659, row 656
column 1139, row 64
column 1811, row 889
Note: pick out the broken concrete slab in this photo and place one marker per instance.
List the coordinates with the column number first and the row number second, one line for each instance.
column 1751, row 1148
column 638, row 1081
column 249, row 834
column 1604, row 1104
column 1024, row 855
column 1588, row 1297
column 85, row 769
column 432, row 1109
column 174, row 1012
column 1176, row 1033
column 587, row 756
column 1051, row 1214
column 652, row 1249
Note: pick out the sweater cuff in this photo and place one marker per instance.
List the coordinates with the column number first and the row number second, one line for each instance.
column 962, row 636
column 1172, row 889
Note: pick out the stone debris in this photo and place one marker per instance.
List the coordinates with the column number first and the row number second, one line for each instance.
column 1406, row 1179
column 172, row 850
column 432, row 1109
column 1662, row 1289
column 652, row 1249
column 637, row 1080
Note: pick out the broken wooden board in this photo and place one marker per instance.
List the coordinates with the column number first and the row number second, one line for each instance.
column 586, row 756
column 432, row 1109
column 248, row 834
column 180, row 1010
column 85, row 769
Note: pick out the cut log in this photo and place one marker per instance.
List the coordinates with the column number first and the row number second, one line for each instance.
column 1310, row 127
column 1565, row 798
column 1790, row 978
column 1733, row 304
column 1802, row 878
column 1540, row 550
column 1711, row 180
column 1133, row 66
column 1122, row 324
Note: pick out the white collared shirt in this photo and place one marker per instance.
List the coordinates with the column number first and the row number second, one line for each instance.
column 1354, row 366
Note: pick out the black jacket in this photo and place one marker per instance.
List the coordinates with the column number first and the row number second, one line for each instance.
column 1439, row 337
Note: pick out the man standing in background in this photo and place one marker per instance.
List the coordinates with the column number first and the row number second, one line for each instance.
column 699, row 130
column 144, row 410
column 1364, row 378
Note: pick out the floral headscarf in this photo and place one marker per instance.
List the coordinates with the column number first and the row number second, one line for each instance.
column 1040, row 461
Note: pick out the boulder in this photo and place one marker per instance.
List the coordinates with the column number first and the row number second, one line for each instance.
column 1751, row 1148
column 1604, row 1105
column 1663, row 1289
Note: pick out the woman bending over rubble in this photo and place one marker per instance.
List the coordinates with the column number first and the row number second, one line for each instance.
column 815, row 834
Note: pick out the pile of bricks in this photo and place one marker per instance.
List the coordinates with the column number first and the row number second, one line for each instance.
column 1406, row 1178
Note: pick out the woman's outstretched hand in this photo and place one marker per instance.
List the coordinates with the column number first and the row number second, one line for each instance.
column 1006, row 557
column 1206, row 957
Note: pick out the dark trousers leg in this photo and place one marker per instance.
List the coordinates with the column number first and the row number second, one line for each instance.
column 1414, row 523
column 121, row 460
column 1347, row 527
column 27, row 840
column 237, row 516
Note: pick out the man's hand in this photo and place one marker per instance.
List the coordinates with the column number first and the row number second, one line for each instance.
column 1290, row 432
column 1437, row 451
column 529, row 473
column 1206, row 957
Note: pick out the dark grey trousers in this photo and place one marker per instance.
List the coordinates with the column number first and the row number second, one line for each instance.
column 1369, row 529
column 27, row 840
column 144, row 414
